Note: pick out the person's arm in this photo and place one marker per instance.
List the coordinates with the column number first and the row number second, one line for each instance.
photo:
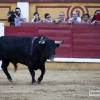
column 43, row 20
column 90, row 19
column 25, row 20
column 20, row 18
column 49, row 20
column 78, row 19
column 57, row 20
column 98, row 21
column 33, row 19
column 71, row 20
column 93, row 22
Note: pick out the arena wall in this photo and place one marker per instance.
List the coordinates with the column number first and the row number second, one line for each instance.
column 4, row 8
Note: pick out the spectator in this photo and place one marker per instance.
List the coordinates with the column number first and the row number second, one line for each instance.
column 36, row 17
column 96, row 17
column 19, row 17
column 61, row 17
column 47, row 18
column 86, row 18
column 74, row 18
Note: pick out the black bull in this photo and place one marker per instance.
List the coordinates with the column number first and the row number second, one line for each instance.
column 30, row 51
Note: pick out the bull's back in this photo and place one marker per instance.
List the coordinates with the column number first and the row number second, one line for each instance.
column 13, row 40
column 24, row 43
column 20, row 53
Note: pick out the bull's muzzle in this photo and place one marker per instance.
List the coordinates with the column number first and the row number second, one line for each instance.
column 52, row 57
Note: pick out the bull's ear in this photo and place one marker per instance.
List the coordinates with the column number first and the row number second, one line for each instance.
column 42, row 42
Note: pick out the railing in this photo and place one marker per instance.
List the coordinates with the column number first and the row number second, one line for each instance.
column 81, row 40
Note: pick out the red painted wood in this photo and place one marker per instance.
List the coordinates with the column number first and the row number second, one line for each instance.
column 80, row 39
column 86, row 40
column 21, row 31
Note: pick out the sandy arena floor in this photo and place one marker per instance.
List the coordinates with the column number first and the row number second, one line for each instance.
column 58, row 84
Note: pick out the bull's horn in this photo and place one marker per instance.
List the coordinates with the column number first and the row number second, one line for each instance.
column 59, row 42
column 42, row 42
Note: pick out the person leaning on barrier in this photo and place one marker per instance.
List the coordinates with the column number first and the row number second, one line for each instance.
column 47, row 18
column 74, row 18
column 86, row 18
column 96, row 17
column 36, row 17
column 19, row 17
column 61, row 17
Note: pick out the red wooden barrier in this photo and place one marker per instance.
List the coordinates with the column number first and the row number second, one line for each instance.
column 80, row 39
column 86, row 40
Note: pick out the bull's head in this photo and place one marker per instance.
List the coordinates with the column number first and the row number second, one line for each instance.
column 49, row 47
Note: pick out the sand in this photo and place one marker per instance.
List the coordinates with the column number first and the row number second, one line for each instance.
column 58, row 84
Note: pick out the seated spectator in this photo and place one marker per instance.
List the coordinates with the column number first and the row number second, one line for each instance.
column 61, row 17
column 36, row 17
column 19, row 17
column 96, row 17
column 86, row 18
column 47, row 18
column 74, row 18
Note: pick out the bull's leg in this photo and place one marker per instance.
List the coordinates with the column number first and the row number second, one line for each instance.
column 15, row 67
column 32, row 72
column 4, row 66
column 42, row 74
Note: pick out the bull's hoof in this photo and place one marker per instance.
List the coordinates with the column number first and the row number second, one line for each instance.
column 34, row 83
column 10, row 80
column 38, row 82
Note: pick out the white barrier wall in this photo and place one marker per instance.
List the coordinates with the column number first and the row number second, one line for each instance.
column 87, row 60
column 1, row 34
column 24, row 6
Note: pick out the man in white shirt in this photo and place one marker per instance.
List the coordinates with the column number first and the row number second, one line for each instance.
column 74, row 18
column 61, row 17
column 19, row 17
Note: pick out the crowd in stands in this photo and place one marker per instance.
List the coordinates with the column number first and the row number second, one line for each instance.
column 61, row 18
